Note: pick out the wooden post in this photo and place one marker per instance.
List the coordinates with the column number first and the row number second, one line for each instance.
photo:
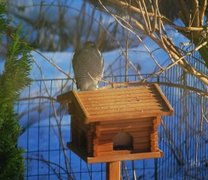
column 113, row 170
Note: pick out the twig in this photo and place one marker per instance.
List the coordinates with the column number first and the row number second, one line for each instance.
column 54, row 65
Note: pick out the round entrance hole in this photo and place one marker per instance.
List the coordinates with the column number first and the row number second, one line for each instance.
column 122, row 141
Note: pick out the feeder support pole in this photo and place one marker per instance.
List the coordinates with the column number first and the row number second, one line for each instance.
column 113, row 170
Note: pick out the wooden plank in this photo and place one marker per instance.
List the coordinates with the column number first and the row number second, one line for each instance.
column 157, row 121
column 100, row 105
column 127, row 129
column 64, row 98
column 122, row 157
column 154, row 135
column 95, row 151
column 108, row 136
column 138, row 140
column 164, row 98
column 142, row 150
column 113, row 170
column 154, row 149
column 121, row 105
column 125, row 115
column 141, row 145
column 97, row 132
column 104, row 141
column 90, row 150
column 79, row 127
column 154, row 145
column 121, row 99
column 101, row 92
column 75, row 132
column 127, row 122
column 137, row 96
column 134, row 134
column 105, row 147
column 108, row 133
column 78, row 104
column 144, row 120
column 82, row 153
column 107, row 140
column 115, row 152
column 131, row 132
column 126, row 107
column 142, row 129
column 71, row 108
column 140, row 133
column 154, row 140
column 78, row 110
column 132, row 112
column 76, row 119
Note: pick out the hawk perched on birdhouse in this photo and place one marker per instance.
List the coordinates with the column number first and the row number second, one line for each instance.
column 88, row 67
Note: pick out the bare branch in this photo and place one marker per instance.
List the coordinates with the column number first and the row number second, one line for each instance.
column 54, row 65
column 202, row 10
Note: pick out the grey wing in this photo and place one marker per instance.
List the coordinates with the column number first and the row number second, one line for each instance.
column 76, row 63
column 97, row 65
column 75, row 60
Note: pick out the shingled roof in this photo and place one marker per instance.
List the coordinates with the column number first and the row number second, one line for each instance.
column 146, row 100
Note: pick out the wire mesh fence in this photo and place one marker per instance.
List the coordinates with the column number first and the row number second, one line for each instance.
column 183, row 138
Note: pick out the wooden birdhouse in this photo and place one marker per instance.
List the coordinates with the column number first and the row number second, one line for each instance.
column 115, row 124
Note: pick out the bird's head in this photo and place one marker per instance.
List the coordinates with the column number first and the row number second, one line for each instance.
column 89, row 44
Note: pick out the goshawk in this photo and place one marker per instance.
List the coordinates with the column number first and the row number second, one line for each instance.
column 88, row 67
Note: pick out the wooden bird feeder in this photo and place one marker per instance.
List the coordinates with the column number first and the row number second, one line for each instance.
column 116, row 124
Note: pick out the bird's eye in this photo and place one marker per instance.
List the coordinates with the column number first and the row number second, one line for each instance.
column 89, row 44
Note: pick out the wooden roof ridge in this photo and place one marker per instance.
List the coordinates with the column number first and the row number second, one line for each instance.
column 164, row 97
